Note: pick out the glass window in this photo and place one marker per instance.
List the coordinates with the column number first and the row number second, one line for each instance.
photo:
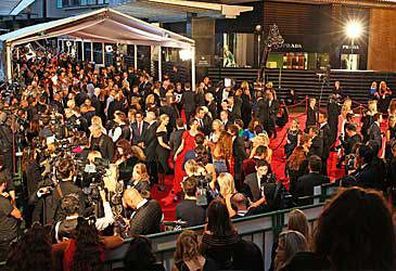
column 87, row 51
column 98, row 53
column 79, row 50
column 59, row 3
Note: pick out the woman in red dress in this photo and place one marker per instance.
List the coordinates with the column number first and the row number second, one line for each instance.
column 187, row 144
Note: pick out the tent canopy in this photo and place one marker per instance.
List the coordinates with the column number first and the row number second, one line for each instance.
column 102, row 25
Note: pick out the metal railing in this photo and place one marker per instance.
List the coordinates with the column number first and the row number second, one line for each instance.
column 260, row 229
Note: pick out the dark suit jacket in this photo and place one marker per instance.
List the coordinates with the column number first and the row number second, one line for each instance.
column 326, row 137
column 136, row 137
column 213, row 109
column 311, row 117
column 261, row 110
column 350, row 143
column 316, row 147
column 150, row 141
column 367, row 177
column 175, row 139
column 188, row 211
column 375, row 134
column 238, row 150
column 147, row 219
column 305, row 185
column 188, row 100
column 252, row 183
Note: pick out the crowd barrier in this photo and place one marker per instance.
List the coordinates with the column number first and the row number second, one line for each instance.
column 261, row 229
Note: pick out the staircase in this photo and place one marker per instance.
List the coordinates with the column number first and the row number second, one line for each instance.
column 355, row 84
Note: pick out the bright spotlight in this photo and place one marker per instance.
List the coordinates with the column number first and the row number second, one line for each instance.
column 185, row 54
column 353, row 29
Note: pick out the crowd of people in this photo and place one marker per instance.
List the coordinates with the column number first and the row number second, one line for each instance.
column 93, row 143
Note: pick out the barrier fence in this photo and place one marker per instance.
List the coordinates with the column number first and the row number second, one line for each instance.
column 260, row 229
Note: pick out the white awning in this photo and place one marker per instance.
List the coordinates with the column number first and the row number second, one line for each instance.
column 102, row 25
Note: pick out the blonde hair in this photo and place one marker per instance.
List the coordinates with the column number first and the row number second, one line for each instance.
column 96, row 120
column 372, row 105
column 142, row 171
column 190, row 166
column 163, row 117
column 226, row 183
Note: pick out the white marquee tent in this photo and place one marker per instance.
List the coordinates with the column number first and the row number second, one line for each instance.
column 102, row 25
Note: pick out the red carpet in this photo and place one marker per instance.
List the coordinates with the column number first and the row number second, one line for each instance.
column 278, row 166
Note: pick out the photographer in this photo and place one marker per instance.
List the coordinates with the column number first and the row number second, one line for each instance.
column 70, row 206
column 49, row 194
column 6, row 142
column 9, row 217
column 349, row 144
column 188, row 210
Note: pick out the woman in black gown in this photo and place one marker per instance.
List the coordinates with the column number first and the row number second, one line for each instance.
column 163, row 149
column 293, row 136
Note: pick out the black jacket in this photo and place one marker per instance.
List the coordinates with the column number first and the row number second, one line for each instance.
column 136, row 136
column 316, row 147
column 350, row 143
column 305, row 185
column 150, row 141
column 327, row 141
column 147, row 219
column 374, row 134
column 190, row 212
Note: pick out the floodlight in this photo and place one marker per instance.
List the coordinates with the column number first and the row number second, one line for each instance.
column 353, row 29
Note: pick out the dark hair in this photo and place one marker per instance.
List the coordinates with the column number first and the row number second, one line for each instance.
column 239, row 122
column 263, row 163
column 366, row 153
column 357, row 223
column 199, row 139
column 126, row 147
column 374, row 147
column 139, row 256
column 260, row 150
column 315, row 163
column 190, row 186
column 238, row 199
column 377, row 116
column 351, row 127
column 219, row 222
column 233, row 129
column 88, row 253
column 65, row 168
column 201, row 155
column 70, row 204
column 324, row 113
column 32, row 252
column 179, row 122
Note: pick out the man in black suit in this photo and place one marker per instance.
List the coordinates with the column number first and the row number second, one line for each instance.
column 352, row 139
column 375, row 130
column 366, row 176
column 203, row 122
column 325, row 134
column 139, row 128
column 188, row 210
column 234, row 107
column 147, row 215
column 150, row 143
column 305, row 184
column 211, row 104
column 176, row 136
column 239, row 204
column 270, row 119
column 317, row 142
column 188, row 100
column 253, row 182
column 239, row 153
column 261, row 108
column 224, row 118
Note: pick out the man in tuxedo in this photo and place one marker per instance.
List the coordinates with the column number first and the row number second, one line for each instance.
column 305, row 184
column 204, row 123
column 375, row 130
column 270, row 119
column 188, row 100
column 365, row 175
column 147, row 215
column 188, row 210
column 150, row 143
column 239, row 153
column 261, row 109
column 352, row 139
column 176, row 136
column 253, row 181
column 325, row 134
column 139, row 128
column 234, row 109
column 317, row 142
column 224, row 118
column 211, row 104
